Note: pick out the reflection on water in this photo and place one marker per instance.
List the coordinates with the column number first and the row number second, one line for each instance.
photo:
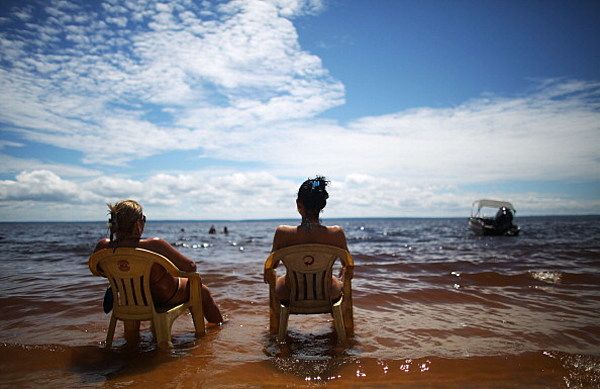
column 434, row 305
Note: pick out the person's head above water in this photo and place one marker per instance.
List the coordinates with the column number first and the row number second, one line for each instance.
column 124, row 217
column 312, row 196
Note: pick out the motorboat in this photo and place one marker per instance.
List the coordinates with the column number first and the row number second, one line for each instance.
column 501, row 224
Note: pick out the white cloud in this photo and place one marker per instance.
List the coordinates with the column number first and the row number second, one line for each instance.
column 23, row 14
column 128, row 80
column 14, row 165
column 239, row 87
column 44, row 186
column 541, row 136
column 197, row 195
column 7, row 143
column 115, row 187
column 234, row 195
column 291, row 8
column 121, row 22
column 246, row 64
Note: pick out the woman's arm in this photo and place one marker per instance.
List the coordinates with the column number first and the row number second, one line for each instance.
column 102, row 244
column 162, row 247
column 274, row 247
column 276, row 239
column 342, row 237
column 345, row 272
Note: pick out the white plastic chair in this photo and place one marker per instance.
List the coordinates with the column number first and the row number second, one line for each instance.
column 309, row 269
column 128, row 271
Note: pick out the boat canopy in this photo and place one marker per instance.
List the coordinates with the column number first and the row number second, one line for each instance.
column 492, row 204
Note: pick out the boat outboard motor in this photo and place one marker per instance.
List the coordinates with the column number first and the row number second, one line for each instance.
column 503, row 219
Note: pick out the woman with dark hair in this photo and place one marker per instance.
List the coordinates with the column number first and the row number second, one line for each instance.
column 312, row 198
column 126, row 225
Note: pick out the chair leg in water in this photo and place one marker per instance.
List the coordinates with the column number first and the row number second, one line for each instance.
column 132, row 331
column 163, row 333
column 198, row 319
column 283, row 323
column 111, row 331
column 338, row 319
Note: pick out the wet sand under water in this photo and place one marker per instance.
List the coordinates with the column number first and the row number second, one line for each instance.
column 241, row 352
column 223, row 358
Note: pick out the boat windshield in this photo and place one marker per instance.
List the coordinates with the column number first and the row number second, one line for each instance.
column 488, row 208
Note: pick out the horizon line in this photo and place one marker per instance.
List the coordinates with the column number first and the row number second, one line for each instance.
column 288, row 218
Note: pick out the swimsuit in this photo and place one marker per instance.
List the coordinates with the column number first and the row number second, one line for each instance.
column 178, row 296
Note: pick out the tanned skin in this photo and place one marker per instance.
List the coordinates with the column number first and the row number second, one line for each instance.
column 311, row 232
column 166, row 288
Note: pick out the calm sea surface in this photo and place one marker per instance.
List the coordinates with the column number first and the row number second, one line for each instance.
column 434, row 306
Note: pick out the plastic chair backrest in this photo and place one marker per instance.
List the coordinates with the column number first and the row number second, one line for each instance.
column 309, row 269
column 317, row 251
column 309, row 280
column 128, row 271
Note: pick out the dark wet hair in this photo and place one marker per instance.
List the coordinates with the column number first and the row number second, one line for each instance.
column 313, row 195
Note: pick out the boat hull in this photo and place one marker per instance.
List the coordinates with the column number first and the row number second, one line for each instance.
column 487, row 227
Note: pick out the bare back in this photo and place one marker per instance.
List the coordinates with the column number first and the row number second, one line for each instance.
column 164, row 286
column 286, row 236
column 294, row 235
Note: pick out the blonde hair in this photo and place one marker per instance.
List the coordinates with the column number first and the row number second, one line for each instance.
column 123, row 216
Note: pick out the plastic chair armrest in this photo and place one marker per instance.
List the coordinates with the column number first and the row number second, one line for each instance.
column 270, row 277
column 187, row 274
column 195, row 285
column 270, row 262
column 270, row 274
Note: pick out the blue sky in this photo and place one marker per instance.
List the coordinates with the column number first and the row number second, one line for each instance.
column 219, row 110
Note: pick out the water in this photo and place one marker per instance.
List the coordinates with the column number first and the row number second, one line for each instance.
column 434, row 305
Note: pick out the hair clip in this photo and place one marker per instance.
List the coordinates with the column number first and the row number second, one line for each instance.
column 316, row 184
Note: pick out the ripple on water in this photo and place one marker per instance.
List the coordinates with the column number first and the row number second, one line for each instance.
column 432, row 303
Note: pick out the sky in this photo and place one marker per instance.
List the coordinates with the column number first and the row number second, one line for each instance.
column 220, row 110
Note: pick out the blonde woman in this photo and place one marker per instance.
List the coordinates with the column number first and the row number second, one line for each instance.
column 127, row 222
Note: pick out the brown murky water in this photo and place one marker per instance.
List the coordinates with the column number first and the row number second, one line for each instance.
column 435, row 306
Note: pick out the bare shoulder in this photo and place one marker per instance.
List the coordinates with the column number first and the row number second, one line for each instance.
column 155, row 244
column 161, row 246
column 285, row 229
column 336, row 230
column 283, row 234
column 102, row 244
column 338, row 236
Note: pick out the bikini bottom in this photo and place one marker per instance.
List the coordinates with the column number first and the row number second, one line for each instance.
column 178, row 297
